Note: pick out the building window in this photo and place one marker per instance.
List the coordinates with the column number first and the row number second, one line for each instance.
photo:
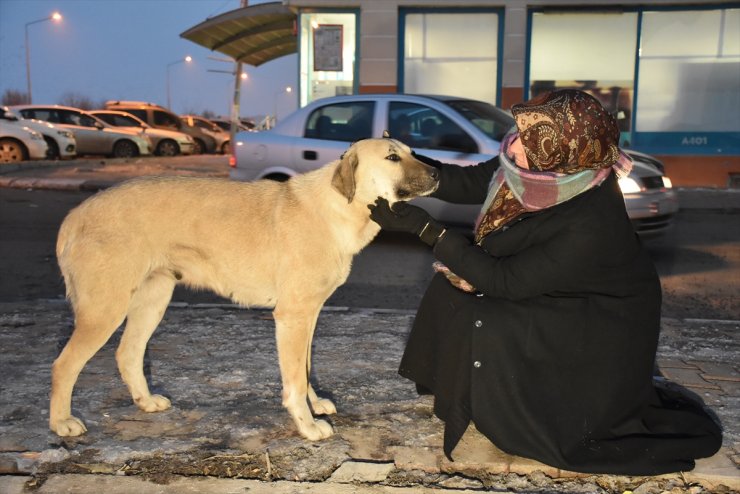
column 689, row 79
column 451, row 52
column 327, row 43
column 677, row 92
column 594, row 52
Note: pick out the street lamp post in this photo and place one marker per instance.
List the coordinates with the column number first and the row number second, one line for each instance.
column 56, row 17
column 277, row 94
column 187, row 59
column 239, row 77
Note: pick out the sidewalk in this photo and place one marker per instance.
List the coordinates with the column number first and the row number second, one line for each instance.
column 218, row 365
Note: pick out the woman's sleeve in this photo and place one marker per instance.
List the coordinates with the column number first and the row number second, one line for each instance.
column 561, row 263
column 462, row 184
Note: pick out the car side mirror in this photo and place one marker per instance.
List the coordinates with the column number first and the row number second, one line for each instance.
column 99, row 126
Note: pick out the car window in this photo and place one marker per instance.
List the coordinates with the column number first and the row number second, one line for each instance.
column 41, row 114
column 119, row 120
column 69, row 118
column 493, row 121
column 341, row 121
column 141, row 113
column 164, row 119
column 424, row 127
column 88, row 121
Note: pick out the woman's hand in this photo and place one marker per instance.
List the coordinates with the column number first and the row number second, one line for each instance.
column 403, row 217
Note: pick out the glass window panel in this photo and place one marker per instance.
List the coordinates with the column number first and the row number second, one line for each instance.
column 315, row 83
column 731, row 33
column 589, row 47
column 688, row 91
column 437, row 62
column 683, row 34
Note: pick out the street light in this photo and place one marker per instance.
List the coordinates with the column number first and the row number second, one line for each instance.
column 56, row 17
column 187, row 59
column 278, row 93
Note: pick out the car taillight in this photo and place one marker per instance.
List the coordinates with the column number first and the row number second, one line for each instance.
column 232, row 161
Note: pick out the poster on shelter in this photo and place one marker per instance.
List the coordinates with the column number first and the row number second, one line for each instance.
column 327, row 47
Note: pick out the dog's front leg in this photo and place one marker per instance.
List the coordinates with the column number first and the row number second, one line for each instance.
column 293, row 334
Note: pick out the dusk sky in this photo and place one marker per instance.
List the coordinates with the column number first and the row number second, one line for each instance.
column 120, row 49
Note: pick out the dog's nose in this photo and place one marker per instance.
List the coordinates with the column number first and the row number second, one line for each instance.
column 434, row 173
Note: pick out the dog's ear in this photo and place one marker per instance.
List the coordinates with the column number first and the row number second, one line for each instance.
column 344, row 176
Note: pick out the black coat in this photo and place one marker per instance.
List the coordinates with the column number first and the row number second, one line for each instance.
column 554, row 358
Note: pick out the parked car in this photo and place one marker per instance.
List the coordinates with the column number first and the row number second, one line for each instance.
column 20, row 143
column 225, row 125
column 93, row 136
column 164, row 142
column 449, row 129
column 223, row 138
column 160, row 117
column 60, row 142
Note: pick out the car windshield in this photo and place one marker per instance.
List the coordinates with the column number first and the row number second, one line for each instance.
column 494, row 122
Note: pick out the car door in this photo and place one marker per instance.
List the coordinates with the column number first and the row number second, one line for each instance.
column 329, row 130
column 90, row 138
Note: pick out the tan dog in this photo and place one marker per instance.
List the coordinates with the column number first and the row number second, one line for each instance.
column 286, row 245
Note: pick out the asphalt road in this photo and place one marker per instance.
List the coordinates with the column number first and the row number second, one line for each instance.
column 698, row 261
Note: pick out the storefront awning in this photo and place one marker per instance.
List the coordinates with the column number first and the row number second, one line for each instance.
column 252, row 35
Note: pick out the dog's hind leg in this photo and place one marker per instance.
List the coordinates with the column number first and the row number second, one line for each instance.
column 95, row 322
column 147, row 307
column 293, row 334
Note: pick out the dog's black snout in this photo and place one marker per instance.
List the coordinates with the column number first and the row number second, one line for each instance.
column 434, row 173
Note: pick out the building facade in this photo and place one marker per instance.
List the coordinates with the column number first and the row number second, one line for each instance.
column 669, row 70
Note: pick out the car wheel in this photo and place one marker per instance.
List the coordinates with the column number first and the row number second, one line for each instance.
column 125, row 149
column 278, row 177
column 12, row 151
column 167, row 147
column 52, row 151
column 226, row 148
column 199, row 147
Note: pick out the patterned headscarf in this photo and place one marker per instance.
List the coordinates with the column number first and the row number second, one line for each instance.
column 571, row 143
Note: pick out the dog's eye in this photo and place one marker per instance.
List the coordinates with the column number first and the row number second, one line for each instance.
column 393, row 157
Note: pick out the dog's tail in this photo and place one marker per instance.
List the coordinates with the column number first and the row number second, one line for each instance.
column 65, row 240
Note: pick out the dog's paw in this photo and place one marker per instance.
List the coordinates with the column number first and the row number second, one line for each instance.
column 69, row 427
column 320, row 429
column 323, row 407
column 153, row 403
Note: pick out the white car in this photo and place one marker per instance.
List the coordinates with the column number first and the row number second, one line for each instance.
column 448, row 129
column 93, row 136
column 61, row 143
column 164, row 142
column 20, row 143
column 222, row 138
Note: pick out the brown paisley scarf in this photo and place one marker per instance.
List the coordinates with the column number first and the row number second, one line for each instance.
column 571, row 144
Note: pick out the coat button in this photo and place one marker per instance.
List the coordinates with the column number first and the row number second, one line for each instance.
column 478, row 323
column 477, row 364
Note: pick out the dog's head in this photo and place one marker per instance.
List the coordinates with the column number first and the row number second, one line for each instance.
column 385, row 168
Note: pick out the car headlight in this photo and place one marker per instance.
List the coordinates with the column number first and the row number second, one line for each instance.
column 34, row 134
column 629, row 185
column 65, row 133
column 667, row 183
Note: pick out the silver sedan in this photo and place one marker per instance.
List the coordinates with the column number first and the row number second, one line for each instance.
column 448, row 129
